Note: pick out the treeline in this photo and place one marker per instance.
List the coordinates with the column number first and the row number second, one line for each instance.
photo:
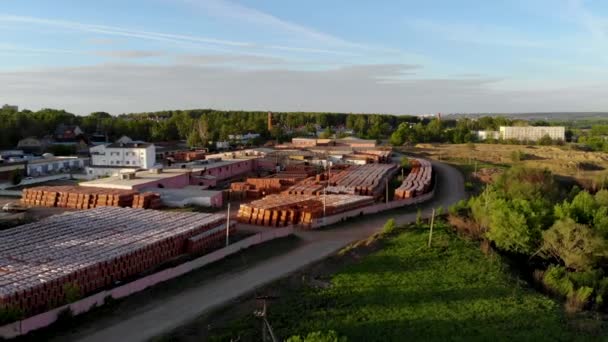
column 562, row 234
column 197, row 126
column 200, row 126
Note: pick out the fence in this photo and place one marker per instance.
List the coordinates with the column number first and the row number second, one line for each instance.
column 45, row 319
column 372, row 209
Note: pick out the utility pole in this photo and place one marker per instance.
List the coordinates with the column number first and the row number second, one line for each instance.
column 266, row 328
column 431, row 231
column 386, row 186
column 228, row 226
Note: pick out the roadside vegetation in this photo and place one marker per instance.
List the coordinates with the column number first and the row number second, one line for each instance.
column 558, row 235
column 450, row 291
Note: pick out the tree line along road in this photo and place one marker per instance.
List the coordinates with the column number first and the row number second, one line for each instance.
column 160, row 315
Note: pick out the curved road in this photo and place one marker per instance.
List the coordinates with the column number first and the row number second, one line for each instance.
column 167, row 313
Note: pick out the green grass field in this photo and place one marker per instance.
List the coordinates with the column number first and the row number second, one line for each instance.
column 408, row 292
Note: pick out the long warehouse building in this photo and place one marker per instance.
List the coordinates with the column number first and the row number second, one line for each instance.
column 41, row 263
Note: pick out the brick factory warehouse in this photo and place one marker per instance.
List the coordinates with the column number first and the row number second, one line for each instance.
column 93, row 249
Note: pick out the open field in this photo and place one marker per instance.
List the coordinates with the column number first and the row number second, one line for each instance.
column 406, row 291
column 581, row 165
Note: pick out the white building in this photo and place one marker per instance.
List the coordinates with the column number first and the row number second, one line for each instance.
column 532, row 133
column 243, row 137
column 222, row 145
column 112, row 159
column 485, row 135
column 52, row 165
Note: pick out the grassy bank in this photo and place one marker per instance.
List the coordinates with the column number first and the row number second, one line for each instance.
column 406, row 291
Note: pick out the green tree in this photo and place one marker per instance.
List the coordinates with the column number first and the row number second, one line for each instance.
column 575, row 244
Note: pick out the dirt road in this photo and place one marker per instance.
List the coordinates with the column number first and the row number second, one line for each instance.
column 164, row 314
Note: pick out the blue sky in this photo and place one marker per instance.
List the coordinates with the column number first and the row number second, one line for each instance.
column 349, row 56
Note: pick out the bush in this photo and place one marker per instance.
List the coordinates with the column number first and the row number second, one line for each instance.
column 72, row 292
column 556, row 281
column 578, row 299
column 459, row 208
column 318, row 336
column 575, row 244
column 9, row 314
column 517, row 156
column 405, row 163
column 389, row 227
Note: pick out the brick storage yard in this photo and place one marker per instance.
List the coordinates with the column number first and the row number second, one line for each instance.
column 417, row 182
column 365, row 180
column 282, row 210
column 77, row 197
column 93, row 249
column 348, row 188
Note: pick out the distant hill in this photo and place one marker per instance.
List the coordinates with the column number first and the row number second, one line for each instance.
column 560, row 116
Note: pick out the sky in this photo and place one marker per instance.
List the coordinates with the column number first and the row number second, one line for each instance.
column 390, row 56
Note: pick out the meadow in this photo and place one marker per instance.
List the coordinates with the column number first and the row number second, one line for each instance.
column 406, row 291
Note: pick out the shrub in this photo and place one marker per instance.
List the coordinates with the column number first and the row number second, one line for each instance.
column 72, row 292
column 459, row 208
column 318, row 336
column 578, row 299
column 389, row 227
column 419, row 219
column 556, row 281
column 9, row 314
column 575, row 244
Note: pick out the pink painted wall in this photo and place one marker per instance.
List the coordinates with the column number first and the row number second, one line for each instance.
column 238, row 168
column 177, row 182
column 47, row 318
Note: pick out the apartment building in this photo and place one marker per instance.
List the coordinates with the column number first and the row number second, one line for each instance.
column 532, row 133
column 112, row 159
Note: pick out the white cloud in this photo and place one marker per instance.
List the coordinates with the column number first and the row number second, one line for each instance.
column 179, row 39
column 121, row 88
column 240, row 59
column 129, row 54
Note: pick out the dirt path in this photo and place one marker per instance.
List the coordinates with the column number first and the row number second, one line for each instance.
column 164, row 314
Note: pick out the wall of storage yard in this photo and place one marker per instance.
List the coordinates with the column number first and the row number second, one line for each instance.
column 177, row 182
column 372, row 209
column 47, row 318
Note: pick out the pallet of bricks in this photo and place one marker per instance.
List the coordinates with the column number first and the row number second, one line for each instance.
column 365, row 180
column 417, row 182
column 309, row 186
column 282, row 210
column 147, row 200
column 76, row 197
column 94, row 249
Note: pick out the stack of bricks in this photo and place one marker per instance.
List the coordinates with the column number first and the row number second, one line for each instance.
column 254, row 188
column 91, row 250
column 364, row 180
column 147, row 200
column 76, row 197
column 282, row 210
column 417, row 182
